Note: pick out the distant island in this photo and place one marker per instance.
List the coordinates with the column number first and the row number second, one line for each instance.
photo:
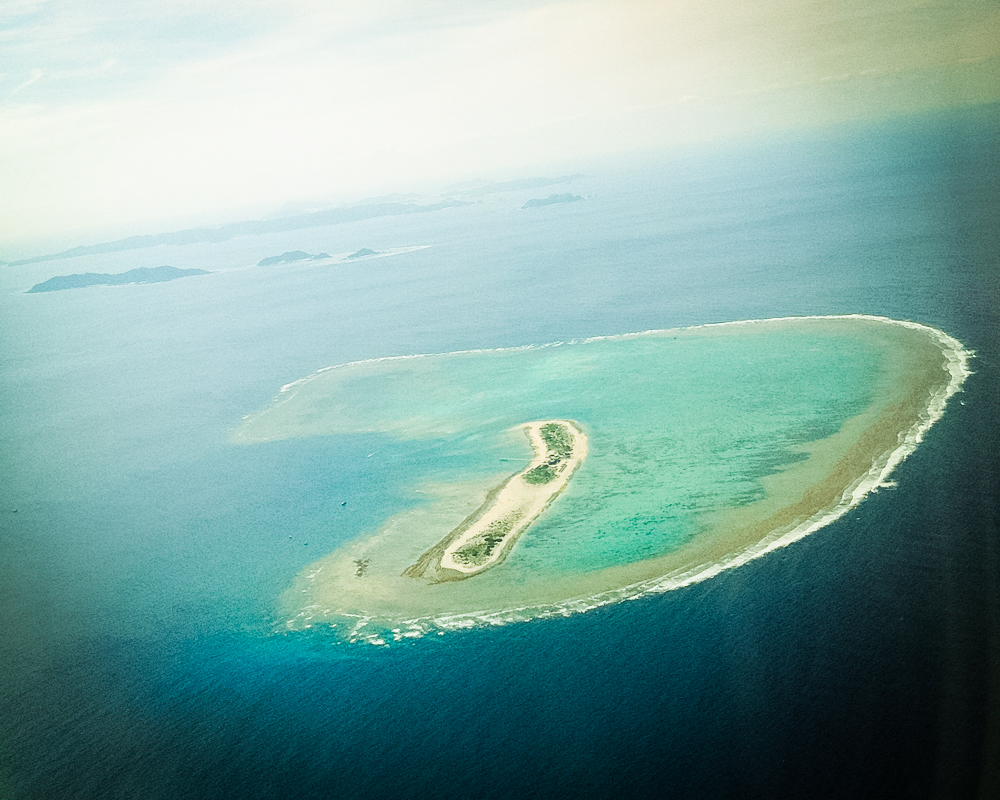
column 552, row 199
column 292, row 255
column 222, row 233
column 373, row 208
column 363, row 252
column 140, row 275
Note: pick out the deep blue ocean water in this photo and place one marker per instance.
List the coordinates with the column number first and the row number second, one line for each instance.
column 139, row 573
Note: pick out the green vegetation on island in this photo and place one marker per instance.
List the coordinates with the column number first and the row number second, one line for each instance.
column 558, row 439
column 478, row 550
column 540, row 475
column 363, row 253
column 139, row 275
column 560, row 447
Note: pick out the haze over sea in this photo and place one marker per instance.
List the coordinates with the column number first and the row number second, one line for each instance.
column 142, row 567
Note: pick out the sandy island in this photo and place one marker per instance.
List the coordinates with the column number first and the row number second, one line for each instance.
column 483, row 539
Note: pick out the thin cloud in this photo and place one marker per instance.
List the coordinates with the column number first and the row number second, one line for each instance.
column 36, row 76
column 133, row 110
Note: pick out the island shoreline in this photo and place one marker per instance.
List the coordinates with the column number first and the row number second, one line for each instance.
column 438, row 565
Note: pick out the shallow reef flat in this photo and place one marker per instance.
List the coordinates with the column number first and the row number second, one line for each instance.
column 706, row 447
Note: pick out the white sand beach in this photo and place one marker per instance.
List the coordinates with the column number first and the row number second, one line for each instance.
column 518, row 503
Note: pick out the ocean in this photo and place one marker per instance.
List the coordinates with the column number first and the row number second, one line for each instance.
column 144, row 554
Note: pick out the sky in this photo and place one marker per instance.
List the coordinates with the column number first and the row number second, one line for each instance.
column 136, row 116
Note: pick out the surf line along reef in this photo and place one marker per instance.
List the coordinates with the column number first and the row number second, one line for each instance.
column 484, row 538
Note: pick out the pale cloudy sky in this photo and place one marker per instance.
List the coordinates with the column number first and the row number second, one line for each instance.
column 125, row 116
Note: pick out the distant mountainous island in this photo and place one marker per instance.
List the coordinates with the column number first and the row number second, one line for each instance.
column 231, row 230
column 551, row 200
column 292, row 255
column 140, row 275
column 390, row 205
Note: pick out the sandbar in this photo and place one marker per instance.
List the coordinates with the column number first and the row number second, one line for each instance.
column 484, row 538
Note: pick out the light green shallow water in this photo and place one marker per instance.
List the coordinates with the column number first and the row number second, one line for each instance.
column 702, row 442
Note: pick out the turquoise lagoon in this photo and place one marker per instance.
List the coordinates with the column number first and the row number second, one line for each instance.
column 708, row 446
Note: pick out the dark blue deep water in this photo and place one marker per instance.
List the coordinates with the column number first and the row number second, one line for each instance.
column 140, row 570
